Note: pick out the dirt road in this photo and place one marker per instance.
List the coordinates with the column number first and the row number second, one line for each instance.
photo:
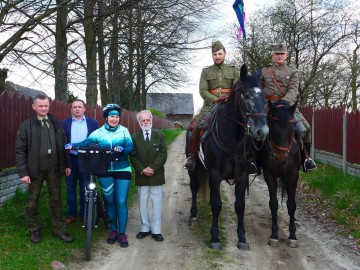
column 183, row 248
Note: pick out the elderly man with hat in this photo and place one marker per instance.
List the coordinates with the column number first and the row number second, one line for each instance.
column 216, row 83
column 281, row 82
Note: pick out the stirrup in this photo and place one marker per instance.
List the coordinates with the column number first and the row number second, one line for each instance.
column 253, row 169
column 309, row 165
column 189, row 164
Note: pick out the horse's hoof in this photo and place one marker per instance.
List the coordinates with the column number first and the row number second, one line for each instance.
column 243, row 246
column 215, row 246
column 292, row 243
column 192, row 221
column 273, row 242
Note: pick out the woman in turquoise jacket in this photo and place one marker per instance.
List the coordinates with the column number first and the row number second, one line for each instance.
column 115, row 183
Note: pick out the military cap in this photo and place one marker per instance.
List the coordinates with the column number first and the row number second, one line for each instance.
column 216, row 46
column 279, row 48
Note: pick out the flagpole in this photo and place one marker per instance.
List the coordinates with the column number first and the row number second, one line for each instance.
column 244, row 49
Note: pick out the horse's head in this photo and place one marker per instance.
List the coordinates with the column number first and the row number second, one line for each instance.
column 249, row 101
column 281, row 124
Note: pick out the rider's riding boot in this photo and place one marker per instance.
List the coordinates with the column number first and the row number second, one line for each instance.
column 204, row 123
column 191, row 160
column 307, row 163
column 190, row 163
column 192, row 150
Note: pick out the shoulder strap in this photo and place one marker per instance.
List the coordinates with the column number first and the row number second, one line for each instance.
column 275, row 81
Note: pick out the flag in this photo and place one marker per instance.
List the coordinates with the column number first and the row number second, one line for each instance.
column 240, row 13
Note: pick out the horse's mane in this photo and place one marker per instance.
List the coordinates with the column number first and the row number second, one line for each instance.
column 247, row 82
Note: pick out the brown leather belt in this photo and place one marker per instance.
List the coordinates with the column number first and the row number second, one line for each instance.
column 220, row 90
column 268, row 97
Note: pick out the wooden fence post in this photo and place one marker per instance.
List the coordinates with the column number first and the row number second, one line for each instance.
column 312, row 149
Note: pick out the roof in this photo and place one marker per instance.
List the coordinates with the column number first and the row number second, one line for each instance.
column 22, row 90
column 171, row 103
column 28, row 91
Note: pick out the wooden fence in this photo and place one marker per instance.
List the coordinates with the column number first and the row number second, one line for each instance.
column 335, row 131
column 14, row 109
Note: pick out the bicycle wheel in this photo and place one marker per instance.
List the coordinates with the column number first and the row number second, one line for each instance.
column 89, row 225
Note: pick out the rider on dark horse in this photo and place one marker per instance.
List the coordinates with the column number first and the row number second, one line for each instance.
column 216, row 83
column 281, row 82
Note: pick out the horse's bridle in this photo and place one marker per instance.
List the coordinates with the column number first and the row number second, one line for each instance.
column 280, row 152
column 245, row 116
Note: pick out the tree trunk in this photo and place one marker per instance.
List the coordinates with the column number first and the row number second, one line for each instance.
column 90, row 45
column 113, row 53
column 101, row 53
column 354, row 76
column 130, row 73
column 60, row 61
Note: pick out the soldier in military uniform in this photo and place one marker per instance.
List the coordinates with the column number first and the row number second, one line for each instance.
column 281, row 81
column 216, row 83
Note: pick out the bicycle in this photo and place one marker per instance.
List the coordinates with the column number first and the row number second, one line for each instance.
column 93, row 160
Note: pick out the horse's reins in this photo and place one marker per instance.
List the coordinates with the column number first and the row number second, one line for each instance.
column 243, row 141
column 230, row 151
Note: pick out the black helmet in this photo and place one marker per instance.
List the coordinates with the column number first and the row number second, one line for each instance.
column 111, row 107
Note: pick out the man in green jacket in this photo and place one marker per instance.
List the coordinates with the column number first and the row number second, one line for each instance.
column 148, row 160
column 215, row 85
column 40, row 156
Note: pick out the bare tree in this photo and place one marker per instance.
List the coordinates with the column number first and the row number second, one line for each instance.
column 316, row 32
column 160, row 40
column 20, row 17
column 352, row 59
column 140, row 45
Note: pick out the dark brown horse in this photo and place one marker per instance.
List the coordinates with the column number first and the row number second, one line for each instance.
column 280, row 159
column 228, row 149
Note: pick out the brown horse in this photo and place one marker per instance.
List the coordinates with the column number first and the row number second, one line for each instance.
column 280, row 159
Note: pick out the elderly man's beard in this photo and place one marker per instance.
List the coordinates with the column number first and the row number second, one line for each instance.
column 146, row 127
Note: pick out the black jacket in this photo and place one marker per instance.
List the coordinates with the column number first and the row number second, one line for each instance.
column 28, row 147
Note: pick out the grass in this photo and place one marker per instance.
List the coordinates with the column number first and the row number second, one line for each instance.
column 16, row 250
column 340, row 193
column 170, row 135
column 214, row 259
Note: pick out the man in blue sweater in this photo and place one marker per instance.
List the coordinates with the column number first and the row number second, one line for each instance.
column 77, row 128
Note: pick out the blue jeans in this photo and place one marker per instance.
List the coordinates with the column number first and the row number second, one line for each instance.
column 71, row 185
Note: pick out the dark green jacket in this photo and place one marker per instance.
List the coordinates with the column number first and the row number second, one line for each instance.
column 28, row 147
column 153, row 156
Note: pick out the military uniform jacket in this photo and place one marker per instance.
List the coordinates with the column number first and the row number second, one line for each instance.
column 153, row 156
column 215, row 77
column 288, row 79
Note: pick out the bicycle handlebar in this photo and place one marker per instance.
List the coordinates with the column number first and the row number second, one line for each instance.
column 92, row 149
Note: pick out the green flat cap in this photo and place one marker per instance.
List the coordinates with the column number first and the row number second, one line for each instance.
column 279, row 48
column 216, row 46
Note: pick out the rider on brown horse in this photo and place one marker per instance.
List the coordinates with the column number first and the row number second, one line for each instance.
column 281, row 82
